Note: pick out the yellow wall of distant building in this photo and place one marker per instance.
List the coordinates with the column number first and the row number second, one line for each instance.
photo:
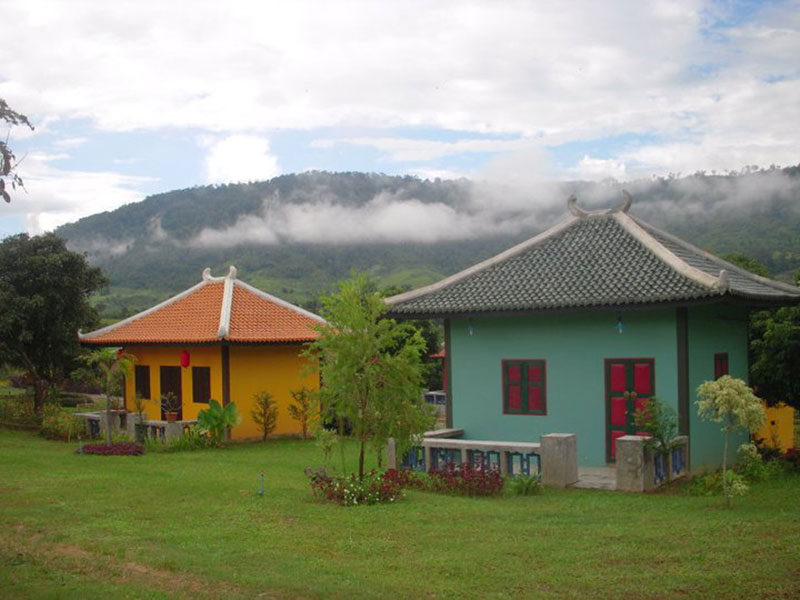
column 778, row 429
column 277, row 369
column 156, row 357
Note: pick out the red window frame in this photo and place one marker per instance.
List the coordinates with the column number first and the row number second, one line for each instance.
column 720, row 364
column 524, row 386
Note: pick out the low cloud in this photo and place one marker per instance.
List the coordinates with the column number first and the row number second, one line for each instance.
column 386, row 218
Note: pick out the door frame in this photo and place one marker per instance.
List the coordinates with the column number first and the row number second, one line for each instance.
column 607, row 394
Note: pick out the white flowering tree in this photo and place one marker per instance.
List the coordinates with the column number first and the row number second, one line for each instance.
column 731, row 402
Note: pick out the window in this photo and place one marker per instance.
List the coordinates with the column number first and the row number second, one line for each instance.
column 142, row 381
column 201, row 384
column 720, row 364
column 524, row 387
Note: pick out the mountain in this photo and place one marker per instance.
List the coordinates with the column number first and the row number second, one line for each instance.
column 295, row 235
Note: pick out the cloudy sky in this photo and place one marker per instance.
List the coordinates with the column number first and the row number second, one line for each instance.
column 134, row 98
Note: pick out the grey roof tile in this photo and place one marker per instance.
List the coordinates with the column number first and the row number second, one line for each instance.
column 603, row 259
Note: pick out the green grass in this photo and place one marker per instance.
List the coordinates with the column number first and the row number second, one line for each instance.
column 191, row 525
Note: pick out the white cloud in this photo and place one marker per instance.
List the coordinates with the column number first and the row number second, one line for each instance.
column 543, row 74
column 385, row 218
column 54, row 196
column 240, row 158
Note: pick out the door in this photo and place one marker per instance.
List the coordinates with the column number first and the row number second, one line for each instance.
column 171, row 382
column 629, row 382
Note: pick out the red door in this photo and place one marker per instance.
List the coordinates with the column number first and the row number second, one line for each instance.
column 629, row 382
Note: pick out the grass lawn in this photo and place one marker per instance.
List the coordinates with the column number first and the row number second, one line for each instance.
column 191, row 525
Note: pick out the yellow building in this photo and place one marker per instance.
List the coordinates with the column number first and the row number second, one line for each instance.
column 221, row 339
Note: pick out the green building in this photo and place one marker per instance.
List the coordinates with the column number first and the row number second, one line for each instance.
column 570, row 330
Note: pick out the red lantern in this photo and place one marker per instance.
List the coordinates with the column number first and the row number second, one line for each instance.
column 185, row 358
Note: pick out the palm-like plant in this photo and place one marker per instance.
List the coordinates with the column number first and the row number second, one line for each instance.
column 216, row 419
column 113, row 365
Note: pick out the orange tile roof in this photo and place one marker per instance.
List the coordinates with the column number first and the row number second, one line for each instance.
column 216, row 309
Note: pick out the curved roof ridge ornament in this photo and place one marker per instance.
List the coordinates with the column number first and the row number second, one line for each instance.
column 207, row 274
column 232, row 272
column 625, row 205
column 723, row 281
column 572, row 205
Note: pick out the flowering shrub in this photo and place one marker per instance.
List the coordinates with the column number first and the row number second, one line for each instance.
column 405, row 478
column 350, row 490
column 465, row 480
column 120, row 449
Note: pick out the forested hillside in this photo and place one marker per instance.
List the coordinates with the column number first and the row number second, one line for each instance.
column 297, row 234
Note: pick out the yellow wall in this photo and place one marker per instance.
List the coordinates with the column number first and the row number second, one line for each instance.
column 170, row 356
column 778, row 430
column 276, row 369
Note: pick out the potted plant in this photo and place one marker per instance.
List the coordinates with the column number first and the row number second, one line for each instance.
column 170, row 405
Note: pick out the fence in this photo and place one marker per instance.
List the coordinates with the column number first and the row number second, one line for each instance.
column 641, row 469
column 129, row 423
column 555, row 457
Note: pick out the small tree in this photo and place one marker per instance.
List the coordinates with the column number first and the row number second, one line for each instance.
column 659, row 421
column 302, row 409
column 731, row 402
column 113, row 366
column 371, row 368
column 265, row 413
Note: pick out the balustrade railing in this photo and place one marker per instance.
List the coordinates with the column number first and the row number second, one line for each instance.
column 436, row 450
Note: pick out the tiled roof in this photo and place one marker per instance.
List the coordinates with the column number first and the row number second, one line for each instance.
column 592, row 259
column 216, row 309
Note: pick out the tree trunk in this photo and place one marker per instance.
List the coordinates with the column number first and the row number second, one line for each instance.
column 108, row 408
column 39, row 392
column 362, row 444
column 725, row 466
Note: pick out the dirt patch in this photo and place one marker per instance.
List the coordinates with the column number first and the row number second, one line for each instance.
column 33, row 547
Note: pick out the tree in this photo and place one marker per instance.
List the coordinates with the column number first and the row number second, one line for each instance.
column 775, row 355
column 265, row 413
column 7, row 158
column 114, row 365
column 44, row 291
column 302, row 408
column 729, row 401
column 371, row 368
column 774, row 345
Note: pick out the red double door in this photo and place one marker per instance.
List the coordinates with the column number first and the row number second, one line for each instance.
column 629, row 383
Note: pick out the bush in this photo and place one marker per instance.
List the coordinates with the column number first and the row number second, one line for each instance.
column 407, row 478
column 526, row 485
column 711, row 484
column 792, row 459
column 18, row 411
column 351, row 491
column 120, row 449
column 465, row 480
column 59, row 424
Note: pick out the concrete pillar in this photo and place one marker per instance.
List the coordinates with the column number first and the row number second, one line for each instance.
column 559, row 452
column 173, row 431
column 635, row 467
column 391, row 454
column 428, row 454
column 683, row 446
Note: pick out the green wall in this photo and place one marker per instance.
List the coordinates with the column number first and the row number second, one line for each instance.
column 712, row 329
column 575, row 346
